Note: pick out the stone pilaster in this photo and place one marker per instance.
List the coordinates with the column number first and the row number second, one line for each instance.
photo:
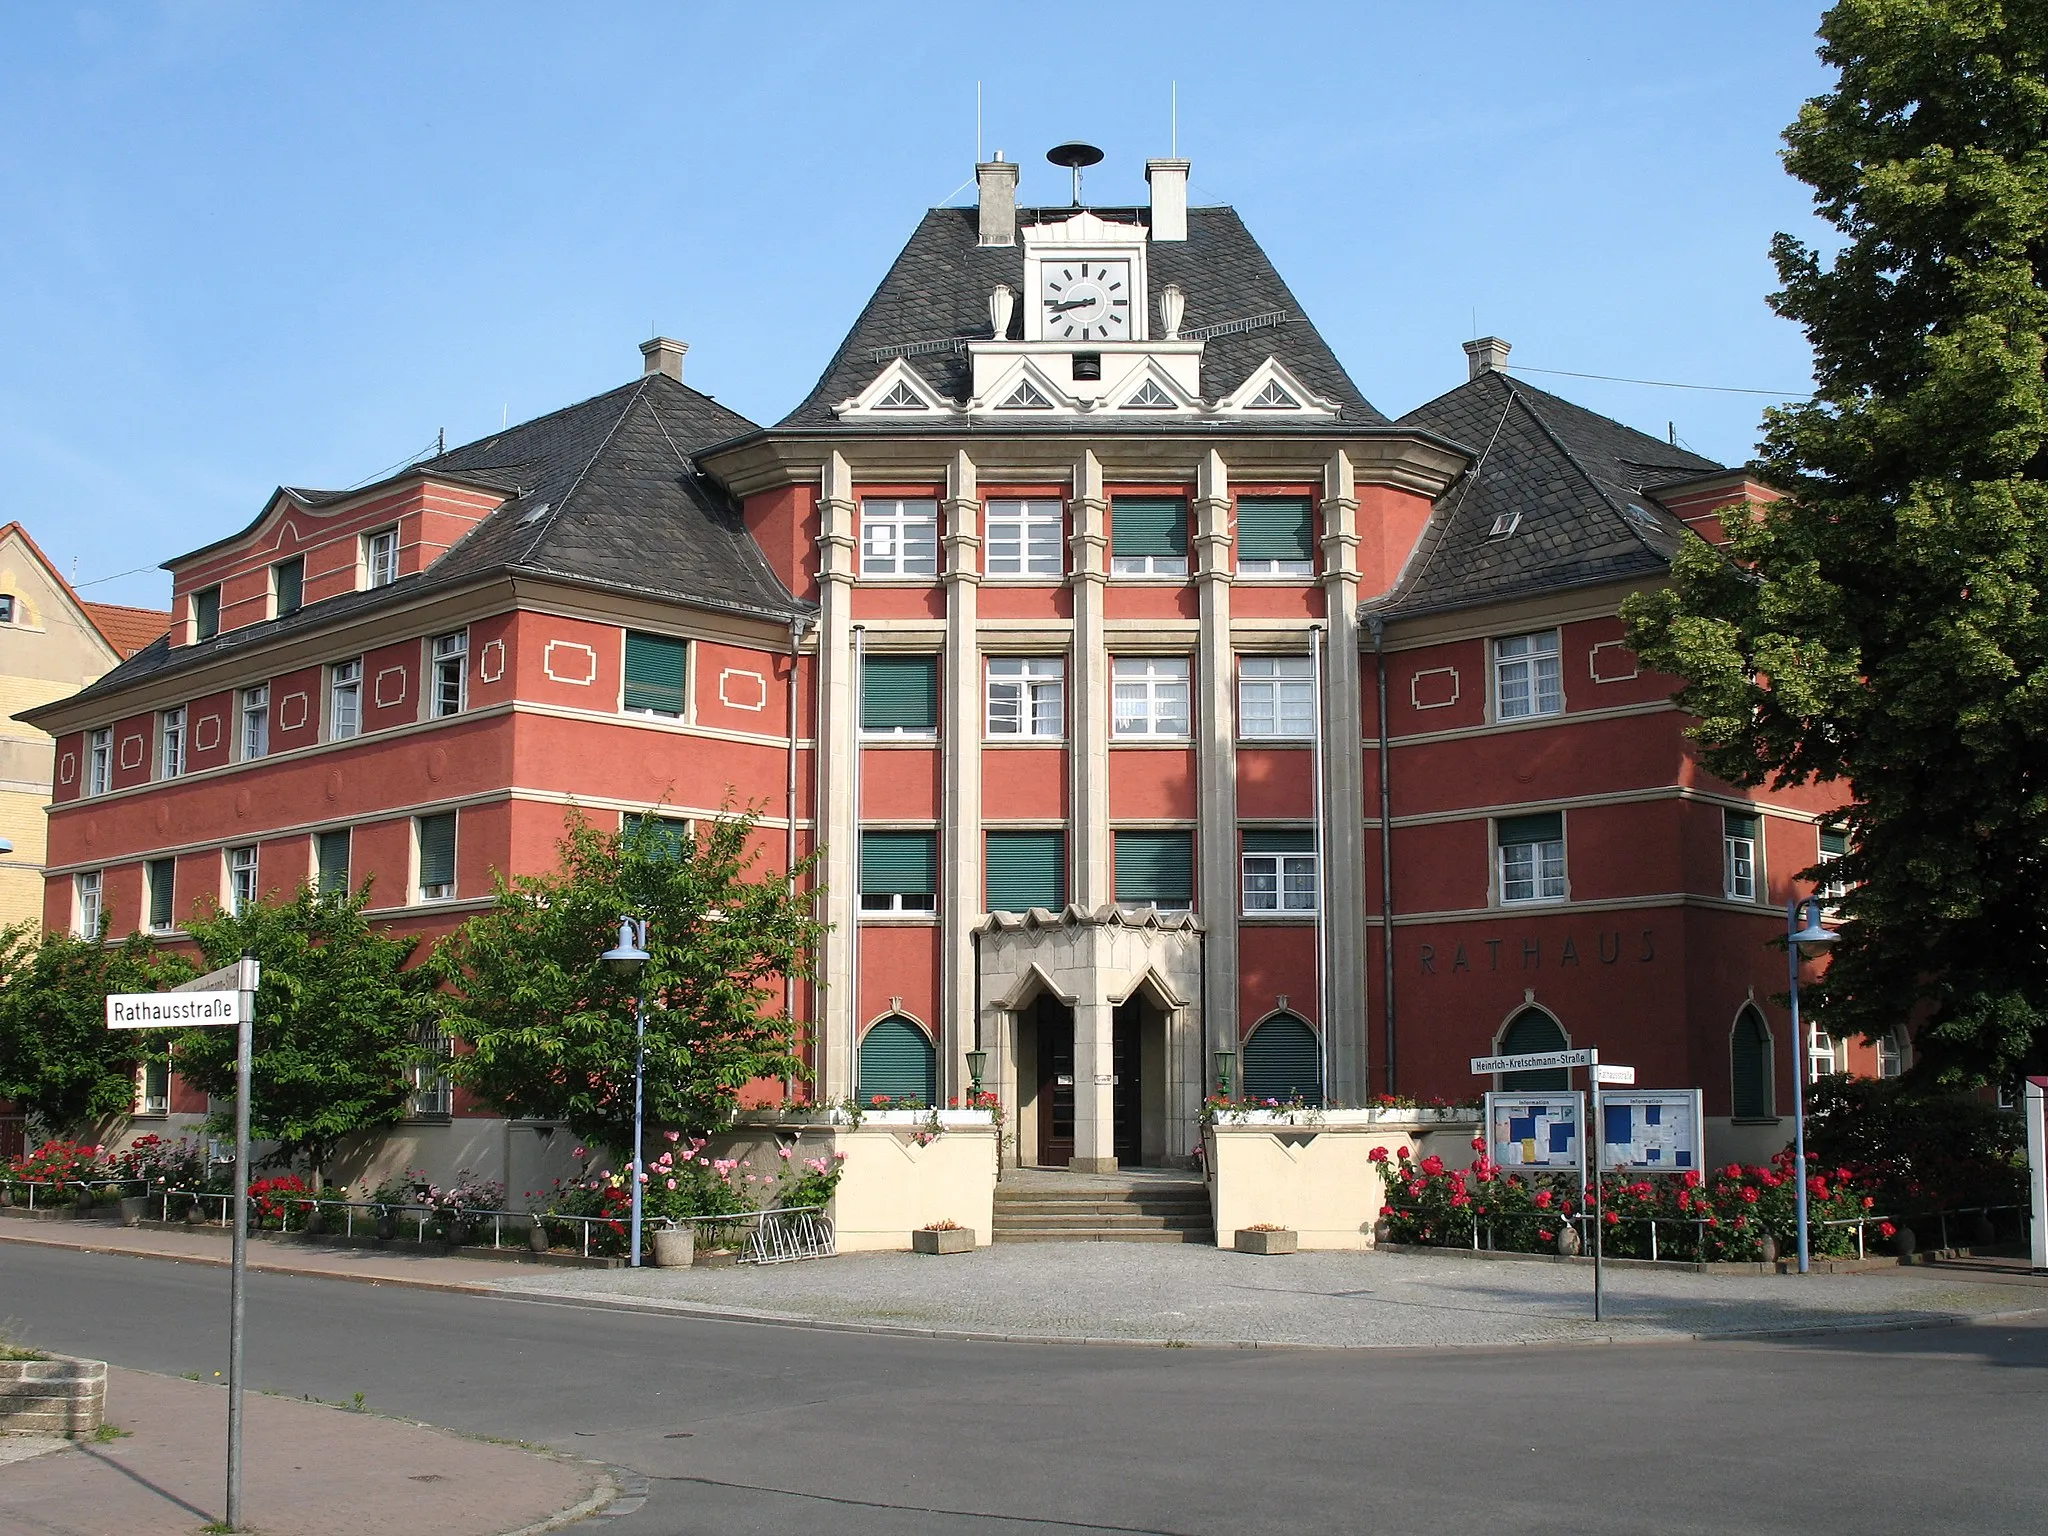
column 838, row 740
column 1348, row 1045
column 1094, row 1088
column 960, row 879
column 1088, row 699
column 1216, row 758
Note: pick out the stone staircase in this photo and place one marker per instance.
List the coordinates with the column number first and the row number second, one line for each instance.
column 1036, row 1205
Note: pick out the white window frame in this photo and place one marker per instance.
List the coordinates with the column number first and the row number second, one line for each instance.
column 1894, row 1053
column 1541, row 869
column 1287, row 884
column 1741, row 860
column 170, row 742
column 1528, row 675
column 912, row 903
column 1150, row 567
column 89, row 890
column 147, row 1103
column 1276, row 697
column 1153, row 698
column 6, row 608
column 380, row 558
column 888, row 550
column 444, row 891
column 1024, row 539
column 433, row 1096
column 345, row 686
column 148, row 923
column 99, row 760
column 449, row 662
column 254, row 736
column 1831, row 891
column 1820, row 1047
column 1025, row 698
column 242, row 878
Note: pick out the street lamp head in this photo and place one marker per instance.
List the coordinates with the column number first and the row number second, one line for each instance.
column 1225, row 1059
column 1812, row 935
column 629, row 957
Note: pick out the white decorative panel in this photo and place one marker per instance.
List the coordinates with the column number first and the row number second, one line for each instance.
column 577, row 664
column 133, row 750
column 490, row 664
column 291, row 711
column 1607, row 660
column 206, row 733
column 1436, row 688
column 387, row 697
column 67, row 768
column 741, row 689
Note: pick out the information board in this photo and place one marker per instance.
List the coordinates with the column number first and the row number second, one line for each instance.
column 1651, row 1130
column 1535, row 1130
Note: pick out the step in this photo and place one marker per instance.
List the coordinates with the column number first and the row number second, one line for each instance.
column 1105, row 1207
column 1095, row 1223
column 1094, row 1236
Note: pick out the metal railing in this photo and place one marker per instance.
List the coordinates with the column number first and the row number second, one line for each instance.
column 56, row 1188
column 1697, row 1225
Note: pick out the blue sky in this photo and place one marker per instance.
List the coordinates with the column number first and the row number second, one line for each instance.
column 248, row 244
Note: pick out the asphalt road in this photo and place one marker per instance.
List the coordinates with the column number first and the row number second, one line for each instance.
column 742, row 1429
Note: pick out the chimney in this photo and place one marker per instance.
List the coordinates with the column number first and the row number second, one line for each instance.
column 1489, row 354
column 1169, row 179
column 663, row 355
column 997, row 180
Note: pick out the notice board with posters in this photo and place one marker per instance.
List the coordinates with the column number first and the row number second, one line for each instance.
column 1649, row 1130
column 1543, row 1131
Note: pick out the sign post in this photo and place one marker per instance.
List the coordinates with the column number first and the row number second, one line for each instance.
column 1548, row 1060
column 225, row 996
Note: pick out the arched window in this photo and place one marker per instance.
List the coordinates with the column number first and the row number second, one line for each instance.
column 1529, row 1032
column 897, row 1061
column 1283, row 1061
column 1753, row 1095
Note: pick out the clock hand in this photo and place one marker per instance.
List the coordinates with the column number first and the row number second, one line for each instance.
column 1072, row 304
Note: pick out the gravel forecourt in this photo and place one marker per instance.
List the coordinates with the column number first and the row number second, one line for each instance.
column 1170, row 1294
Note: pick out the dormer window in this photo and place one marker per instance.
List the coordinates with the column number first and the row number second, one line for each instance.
column 1027, row 396
column 1149, row 397
column 206, row 614
column 1273, row 397
column 380, row 557
column 900, row 398
column 6, row 608
column 288, row 586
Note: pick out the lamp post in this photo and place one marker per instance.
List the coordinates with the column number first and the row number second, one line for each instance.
column 977, row 1063
column 1225, row 1059
column 628, row 960
column 1816, row 936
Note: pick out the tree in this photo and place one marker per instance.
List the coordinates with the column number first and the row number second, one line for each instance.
column 58, row 1059
column 340, row 1022
column 549, row 1032
column 1883, row 626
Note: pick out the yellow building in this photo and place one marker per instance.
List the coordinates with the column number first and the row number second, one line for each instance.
column 52, row 643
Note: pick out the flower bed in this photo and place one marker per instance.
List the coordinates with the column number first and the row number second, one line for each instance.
column 683, row 1183
column 1720, row 1216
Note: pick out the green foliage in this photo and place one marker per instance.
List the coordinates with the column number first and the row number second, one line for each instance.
column 58, row 1059
column 1883, row 625
column 340, row 1022
column 1922, row 1151
column 551, row 1032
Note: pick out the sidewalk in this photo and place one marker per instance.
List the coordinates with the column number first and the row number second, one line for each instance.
column 309, row 1470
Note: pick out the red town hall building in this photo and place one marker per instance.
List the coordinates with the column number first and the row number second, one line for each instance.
column 1160, row 707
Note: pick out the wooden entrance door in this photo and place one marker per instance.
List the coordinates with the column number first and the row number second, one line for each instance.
column 1055, row 1083
column 1128, row 1096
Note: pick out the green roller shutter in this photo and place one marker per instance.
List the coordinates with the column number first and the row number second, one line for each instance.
column 1750, row 1060
column 899, row 863
column 1148, row 525
column 899, row 693
column 1544, row 827
column 206, row 613
column 1274, row 528
column 1534, row 1031
column 1742, row 824
column 437, row 849
column 1155, row 868
column 897, row 1062
column 1282, row 1061
column 162, row 887
column 1026, row 870
column 1279, row 840
column 291, row 586
column 333, row 855
column 1834, row 842
column 656, row 667
column 671, row 834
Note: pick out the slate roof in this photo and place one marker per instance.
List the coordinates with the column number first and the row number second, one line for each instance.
column 1578, row 480
column 938, row 288
column 605, row 492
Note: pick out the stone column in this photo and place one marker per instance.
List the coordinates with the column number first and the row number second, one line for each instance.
column 960, row 880
column 1216, row 762
column 1094, row 1092
column 1343, row 829
column 1088, row 698
column 838, row 740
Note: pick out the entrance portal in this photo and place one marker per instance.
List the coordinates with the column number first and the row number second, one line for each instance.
column 1127, row 1058
column 1055, row 1030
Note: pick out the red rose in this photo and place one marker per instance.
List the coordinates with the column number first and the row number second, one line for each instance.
column 1402, row 1153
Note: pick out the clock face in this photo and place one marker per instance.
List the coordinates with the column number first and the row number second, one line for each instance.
column 1085, row 300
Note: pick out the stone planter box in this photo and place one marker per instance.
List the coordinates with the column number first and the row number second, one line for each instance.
column 135, row 1209
column 1283, row 1241
column 675, row 1250
column 943, row 1240
column 57, row 1396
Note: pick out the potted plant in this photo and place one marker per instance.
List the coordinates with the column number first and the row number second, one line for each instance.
column 1266, row 1238
column 943, row 1237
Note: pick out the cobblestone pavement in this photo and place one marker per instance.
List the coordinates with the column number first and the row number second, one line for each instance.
column 1206, row 1296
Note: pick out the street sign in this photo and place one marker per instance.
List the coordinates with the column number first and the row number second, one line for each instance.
column 171, row 1010
column 1534, row 1063
column 1622, row 1075
column 239, row 977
